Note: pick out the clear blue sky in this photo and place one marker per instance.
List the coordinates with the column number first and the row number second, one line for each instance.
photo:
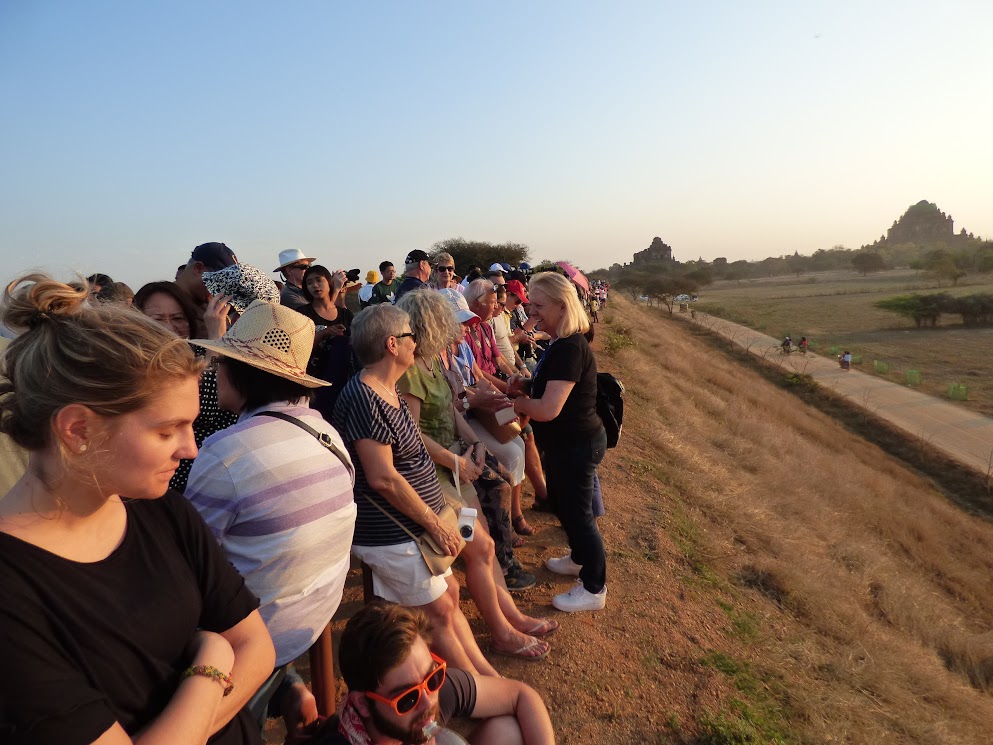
column 133, row 131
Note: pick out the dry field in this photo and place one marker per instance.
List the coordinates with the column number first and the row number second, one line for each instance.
column 773, row 578
column 835, row 309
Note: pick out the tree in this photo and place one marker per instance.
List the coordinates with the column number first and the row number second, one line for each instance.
column 480, row 253
column 665, row 289
column 924, row 310
column 869, row 261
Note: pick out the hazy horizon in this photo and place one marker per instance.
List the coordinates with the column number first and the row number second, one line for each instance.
column 356, row 133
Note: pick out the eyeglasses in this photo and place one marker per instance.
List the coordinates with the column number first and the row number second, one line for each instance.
column 301, row 267
column 411, row 334
column 407, row 701
column 441, row 268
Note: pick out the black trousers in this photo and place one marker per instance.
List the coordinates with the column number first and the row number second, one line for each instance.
column 569, row 470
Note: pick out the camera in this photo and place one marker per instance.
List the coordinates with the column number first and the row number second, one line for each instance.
column 467, row 523
column 353, row 275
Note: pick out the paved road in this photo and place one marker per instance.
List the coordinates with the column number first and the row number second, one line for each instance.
column 963, row 434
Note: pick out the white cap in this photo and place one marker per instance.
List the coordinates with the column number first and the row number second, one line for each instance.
column 460, row 306
column 497, row 268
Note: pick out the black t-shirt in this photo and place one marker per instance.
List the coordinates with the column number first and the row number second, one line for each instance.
column 345, row 317
column 569, row 359
column 456, row 699
column 87, row 644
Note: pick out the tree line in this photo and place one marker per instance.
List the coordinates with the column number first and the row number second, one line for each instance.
column 926, row 310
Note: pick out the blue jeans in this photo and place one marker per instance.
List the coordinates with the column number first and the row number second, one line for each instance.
column 570, row 469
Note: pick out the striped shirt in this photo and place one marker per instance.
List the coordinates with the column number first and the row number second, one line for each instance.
column 282, row 508
column 361, row 414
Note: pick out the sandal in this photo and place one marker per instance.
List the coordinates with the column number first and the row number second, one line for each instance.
column 517, row 542
column 525, row 652
column 521, row 526
column 544, row 627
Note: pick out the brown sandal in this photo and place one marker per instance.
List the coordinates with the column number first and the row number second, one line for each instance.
column 521, row 526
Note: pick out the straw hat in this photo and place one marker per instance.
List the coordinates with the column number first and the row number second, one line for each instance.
column 270, row 337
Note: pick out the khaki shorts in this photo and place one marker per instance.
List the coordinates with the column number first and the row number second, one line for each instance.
column 400, row 575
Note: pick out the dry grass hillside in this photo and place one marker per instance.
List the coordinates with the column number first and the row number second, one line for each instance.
column 772, row 577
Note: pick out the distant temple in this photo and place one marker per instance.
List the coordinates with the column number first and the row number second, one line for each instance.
column 656, row 253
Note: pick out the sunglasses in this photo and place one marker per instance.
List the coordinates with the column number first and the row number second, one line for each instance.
column 446, row 269
column 407, row 701
column 411, row 334
column 302, row 267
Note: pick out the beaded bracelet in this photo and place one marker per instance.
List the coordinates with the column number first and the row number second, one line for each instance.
column 208, row 671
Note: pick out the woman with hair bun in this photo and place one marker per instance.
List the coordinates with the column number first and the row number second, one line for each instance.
column 569, row 434
column 122, row 619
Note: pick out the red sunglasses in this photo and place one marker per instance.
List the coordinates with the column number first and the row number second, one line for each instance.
column 407, row 701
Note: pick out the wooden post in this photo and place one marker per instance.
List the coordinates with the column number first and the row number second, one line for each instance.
column 322, row 680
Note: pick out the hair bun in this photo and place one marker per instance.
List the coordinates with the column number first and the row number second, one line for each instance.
column 36, row 299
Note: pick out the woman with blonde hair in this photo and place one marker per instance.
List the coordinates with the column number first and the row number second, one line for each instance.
column 122, row 620
column 443, row 273
column 569, row 434
column 455, row 448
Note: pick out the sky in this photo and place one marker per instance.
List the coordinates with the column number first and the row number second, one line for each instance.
column 132, row 132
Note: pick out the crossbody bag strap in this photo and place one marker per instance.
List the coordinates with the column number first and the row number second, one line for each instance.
column 321, row 437
column 399, row 524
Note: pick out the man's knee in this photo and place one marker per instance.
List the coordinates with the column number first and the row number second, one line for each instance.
column 502, row 730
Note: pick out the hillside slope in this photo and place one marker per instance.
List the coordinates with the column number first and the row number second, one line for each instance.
column 772, row 576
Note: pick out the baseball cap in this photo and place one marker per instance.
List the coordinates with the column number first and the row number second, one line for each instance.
column 416, row 256
column 461, row 307
column 517, row 287
column 497, row 268
column 214, row 256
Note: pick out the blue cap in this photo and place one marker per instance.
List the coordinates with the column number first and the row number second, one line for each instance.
column 214, row 256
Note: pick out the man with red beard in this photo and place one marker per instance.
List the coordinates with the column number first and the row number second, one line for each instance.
column 399, row 692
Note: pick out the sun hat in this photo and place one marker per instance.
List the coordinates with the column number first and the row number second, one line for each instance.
column 214, row 256
column 291, row 256
column 244, row 283
column 372, row 277
column 270, row 337
column 517, row 287
column 461, row 307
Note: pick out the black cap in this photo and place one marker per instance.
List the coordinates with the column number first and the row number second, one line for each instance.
column 214, row 256
column 416, row 256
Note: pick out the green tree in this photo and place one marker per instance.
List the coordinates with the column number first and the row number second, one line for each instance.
column 868, row 261
column 480, row 253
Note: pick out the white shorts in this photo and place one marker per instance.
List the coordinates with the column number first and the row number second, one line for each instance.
column 400, row 575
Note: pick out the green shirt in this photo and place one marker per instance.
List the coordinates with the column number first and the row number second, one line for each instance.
column 437, row 416
column 384, row 292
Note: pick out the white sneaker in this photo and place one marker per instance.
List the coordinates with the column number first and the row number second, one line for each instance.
column 579, row 598
column 564, row 565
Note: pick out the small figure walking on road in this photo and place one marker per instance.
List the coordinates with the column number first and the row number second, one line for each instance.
column 845, row 360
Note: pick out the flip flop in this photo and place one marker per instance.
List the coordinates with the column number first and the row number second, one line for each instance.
column 523, row 652
column 544, row 627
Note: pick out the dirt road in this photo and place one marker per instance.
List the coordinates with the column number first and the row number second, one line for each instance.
column 962, row 434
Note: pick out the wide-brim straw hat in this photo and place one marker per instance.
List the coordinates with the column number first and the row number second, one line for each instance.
column 270, row 337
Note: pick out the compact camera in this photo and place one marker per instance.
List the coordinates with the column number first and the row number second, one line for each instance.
column 467, row 523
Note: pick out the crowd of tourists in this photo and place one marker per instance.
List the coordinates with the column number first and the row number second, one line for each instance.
column 188, row 471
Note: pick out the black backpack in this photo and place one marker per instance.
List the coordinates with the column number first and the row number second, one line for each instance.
column 610, row 405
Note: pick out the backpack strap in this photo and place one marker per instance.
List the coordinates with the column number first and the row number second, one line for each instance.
column 322, row 437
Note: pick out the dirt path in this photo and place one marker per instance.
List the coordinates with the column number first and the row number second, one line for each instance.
column 962, row 434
